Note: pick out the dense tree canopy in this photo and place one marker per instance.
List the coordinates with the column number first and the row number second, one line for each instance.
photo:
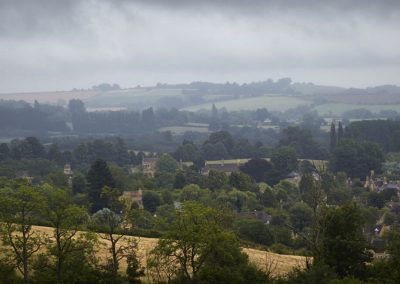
column 284, row 160
column 257, row 169
column 357, row 159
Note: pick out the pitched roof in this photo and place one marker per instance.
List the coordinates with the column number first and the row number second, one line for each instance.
column 226, row 168
column 259, row 215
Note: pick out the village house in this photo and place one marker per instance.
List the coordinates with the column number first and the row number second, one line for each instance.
column 132, row 197
column 24, row 175
column 380, row 184
column 294, row 177
column 148, row 166
column 222, row 167
column 259, row 215
column 68, row 170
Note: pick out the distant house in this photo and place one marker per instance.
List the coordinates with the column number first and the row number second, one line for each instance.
column 149, row 166
column 294, row 177
column 316, row 176
column 132, row 197
column 268, row 122
column 222, row 167
column 24, row 175
column 177, row 205
column 380, row 184
column 259, row 215
column 390, row 185
column 68, row 170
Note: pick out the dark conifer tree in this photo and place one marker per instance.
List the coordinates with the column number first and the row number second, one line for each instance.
column 340, row 132
column 121, row 151
column 98, row 176
column 333, row 137
column 148, row 118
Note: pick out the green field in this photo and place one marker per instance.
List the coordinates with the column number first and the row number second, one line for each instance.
column 6, row 140
column 122, row 98
column 269, row 102
column 179, row 130
column 319, row 164
column 334, row 109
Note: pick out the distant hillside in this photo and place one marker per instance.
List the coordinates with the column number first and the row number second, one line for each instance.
column 278, row 95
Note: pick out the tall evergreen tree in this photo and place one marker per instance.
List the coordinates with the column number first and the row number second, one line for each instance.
column 340, row 132
column 78, row 114
column 214, row 112
column 333, row 137
column 121, row 151
column 98, row 176
column 4, row 151
column 148, row 118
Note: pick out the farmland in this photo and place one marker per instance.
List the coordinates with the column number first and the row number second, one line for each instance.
column 179, row 130
column 48, row 97
column 98, row 99
column 282, row 264
column 270, row 102
column 131, row 97
column 337, row 109
column 140, row 98
column 319, row 164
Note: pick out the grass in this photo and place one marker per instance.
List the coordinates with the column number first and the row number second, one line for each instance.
column 96, row 98
column 319, row 164
column 281, row 264
column 138, row 93
column 51, row 97
column 180, row 130
column 5, row 140
column 337, row 109
column 273, row 103
column 131, row 97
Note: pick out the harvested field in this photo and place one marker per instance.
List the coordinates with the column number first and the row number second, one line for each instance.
column 281, row 264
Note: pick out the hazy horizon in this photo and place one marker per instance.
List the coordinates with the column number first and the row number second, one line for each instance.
column 59, row 45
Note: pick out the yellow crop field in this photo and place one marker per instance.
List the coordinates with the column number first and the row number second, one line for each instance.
column 280, row 264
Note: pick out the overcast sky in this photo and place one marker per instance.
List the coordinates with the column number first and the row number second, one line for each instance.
column 62, row 44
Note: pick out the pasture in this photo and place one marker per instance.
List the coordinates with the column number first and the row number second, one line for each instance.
column 49, row 97
column 140, row 97
column 97, row 99
column 181, row 129
column 319, row 164
column 270, row 102
column 337, row 109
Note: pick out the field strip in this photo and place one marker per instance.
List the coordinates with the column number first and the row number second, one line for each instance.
column 281, row 264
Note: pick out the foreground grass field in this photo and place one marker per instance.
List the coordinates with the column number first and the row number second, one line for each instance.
column 279, row 264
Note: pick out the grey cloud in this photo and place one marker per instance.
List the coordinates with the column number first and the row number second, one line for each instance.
column 50, row 44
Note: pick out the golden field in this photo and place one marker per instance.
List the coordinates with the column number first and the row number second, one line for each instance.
column 279, row 264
